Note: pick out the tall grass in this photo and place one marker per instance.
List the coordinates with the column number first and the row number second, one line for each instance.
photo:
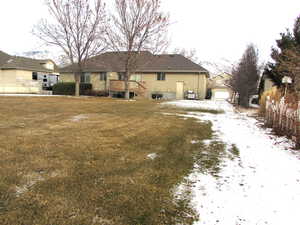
column 274, row 94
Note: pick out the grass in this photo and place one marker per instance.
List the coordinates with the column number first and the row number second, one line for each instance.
column 212, row 111
column 193, row 109
column 74, row 161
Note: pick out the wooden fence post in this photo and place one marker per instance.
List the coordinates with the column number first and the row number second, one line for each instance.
column 298, row 128
column 267, row 113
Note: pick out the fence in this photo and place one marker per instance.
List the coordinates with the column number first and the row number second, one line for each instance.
column 284, row 118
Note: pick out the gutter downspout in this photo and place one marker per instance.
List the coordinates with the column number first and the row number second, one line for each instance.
column 198, row 85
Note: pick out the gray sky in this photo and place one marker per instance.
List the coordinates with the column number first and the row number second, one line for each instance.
column 215, row 28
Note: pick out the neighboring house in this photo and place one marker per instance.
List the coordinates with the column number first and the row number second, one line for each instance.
column 25, row 75
column 266, row 83
column 219, row 87
column 156, row 76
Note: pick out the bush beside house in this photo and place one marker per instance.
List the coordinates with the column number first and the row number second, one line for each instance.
column 68, row 88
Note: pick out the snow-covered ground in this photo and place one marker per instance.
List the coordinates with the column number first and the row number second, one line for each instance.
column 261, row 186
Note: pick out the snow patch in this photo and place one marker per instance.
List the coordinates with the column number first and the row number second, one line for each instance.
column 207, row 142
column 31, row 180
column 203, row 104
column 152, row 156
column 261, row 186
column 79, row 118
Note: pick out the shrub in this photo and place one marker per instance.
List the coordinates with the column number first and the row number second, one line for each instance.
column 68, row 88
column 274, row 93
column 97, row 93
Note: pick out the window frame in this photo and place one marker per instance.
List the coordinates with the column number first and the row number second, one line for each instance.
column 121, row 76
column 103, row 76
column 161, row 76
column 85, row 78
column 34, row 76
column 136, row 77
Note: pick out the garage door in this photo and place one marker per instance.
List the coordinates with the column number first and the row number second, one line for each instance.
column 221, row 95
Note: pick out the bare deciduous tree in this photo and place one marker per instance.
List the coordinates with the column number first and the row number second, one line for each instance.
column 189, row 54
column 137, row 25
column 218, row 66
column 77, row 27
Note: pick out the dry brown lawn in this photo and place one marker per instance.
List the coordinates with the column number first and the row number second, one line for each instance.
column 78, row 161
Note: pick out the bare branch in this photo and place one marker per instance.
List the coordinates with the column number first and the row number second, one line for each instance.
column 137, row 25
column 77, row 28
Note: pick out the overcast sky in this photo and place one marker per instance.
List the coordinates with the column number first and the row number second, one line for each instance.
column 215, row 28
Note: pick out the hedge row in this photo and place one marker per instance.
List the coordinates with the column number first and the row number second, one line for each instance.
column 68, row 88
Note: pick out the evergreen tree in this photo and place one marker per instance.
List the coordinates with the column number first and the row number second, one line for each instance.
column 246, row 75
column 286, row 58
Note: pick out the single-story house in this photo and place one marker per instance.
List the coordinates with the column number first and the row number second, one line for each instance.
column 267, row 82
column 220, row 89
column 163, row 76
column 25, row 75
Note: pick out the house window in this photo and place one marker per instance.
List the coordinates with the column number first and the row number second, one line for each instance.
column 161, row 76
column 103, row 76
column 85, row 78
column 121, row 76
column 34, row 76
column 136, row 77
column 49, row 66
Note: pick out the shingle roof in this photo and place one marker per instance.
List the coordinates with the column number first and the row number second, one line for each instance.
column 23, row 63
column 146, row 62
column 4, row 58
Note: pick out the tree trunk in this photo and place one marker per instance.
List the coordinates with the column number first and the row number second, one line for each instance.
column 126, row 80
column 127, row 96
column 244, row 101
column 77, row 84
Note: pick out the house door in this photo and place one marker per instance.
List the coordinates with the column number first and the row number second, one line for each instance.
column 179, row 90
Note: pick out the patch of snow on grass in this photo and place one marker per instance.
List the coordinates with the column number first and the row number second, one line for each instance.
column 79, row 117
column 31, row 180
column 203, row 104
column 261, row 186
column 207, row 142
column 152, row 156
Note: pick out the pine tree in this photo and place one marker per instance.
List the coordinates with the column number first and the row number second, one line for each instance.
column 246, row 75
column 286, row 58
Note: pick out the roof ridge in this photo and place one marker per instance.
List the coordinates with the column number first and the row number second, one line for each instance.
column 109, row 61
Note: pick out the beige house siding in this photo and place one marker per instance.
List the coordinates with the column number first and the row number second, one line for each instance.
column 194, row 82
column 8, row 76
column 98, row 85
column 18, row 81
column 66, row 77
column 22, row 75
column 268, row 84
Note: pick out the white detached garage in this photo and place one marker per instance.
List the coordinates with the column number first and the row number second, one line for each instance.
column 219, row 87
column 220, row 94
